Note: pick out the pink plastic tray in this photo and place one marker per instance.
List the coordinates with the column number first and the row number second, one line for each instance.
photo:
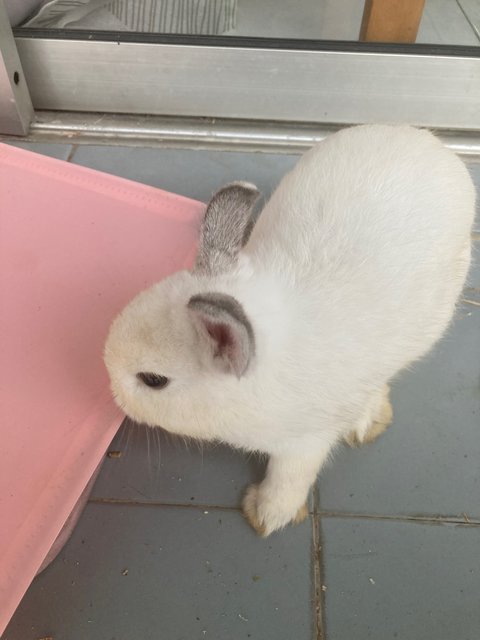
column 75, row 246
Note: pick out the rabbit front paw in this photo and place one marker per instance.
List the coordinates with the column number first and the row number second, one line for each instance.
column 378, row 416
column 267, row 513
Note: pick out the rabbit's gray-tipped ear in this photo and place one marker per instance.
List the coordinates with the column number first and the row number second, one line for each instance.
column 223, row 324
column 227, row 222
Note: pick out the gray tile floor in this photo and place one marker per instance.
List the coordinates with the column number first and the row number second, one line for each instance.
column 392, row 545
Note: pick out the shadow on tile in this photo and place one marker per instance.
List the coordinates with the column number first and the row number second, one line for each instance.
column 156, row 467
column 195, row 174
column 60, row 151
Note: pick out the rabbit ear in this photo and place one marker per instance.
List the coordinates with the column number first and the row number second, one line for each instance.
column 226, row 224
column 222, row 322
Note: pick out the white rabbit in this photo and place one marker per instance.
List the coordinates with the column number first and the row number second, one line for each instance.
column 286, row 346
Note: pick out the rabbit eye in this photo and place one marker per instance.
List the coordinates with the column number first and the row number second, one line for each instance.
column 153, row 380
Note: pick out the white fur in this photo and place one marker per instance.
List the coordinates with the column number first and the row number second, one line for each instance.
column 351, row 273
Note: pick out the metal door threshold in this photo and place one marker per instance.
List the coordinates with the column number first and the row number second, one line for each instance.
column 201, row 133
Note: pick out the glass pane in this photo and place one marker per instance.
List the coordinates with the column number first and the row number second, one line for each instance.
column 447, row 22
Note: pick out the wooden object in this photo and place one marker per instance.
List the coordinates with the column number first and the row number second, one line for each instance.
column 391, row 20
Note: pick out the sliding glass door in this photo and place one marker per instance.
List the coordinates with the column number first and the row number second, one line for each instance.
column 251, row 65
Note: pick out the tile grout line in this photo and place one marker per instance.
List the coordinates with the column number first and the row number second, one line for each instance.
column 456, row 520
column 152, row 503
column 425, row 519
column 72, row 152
column 319, row 592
